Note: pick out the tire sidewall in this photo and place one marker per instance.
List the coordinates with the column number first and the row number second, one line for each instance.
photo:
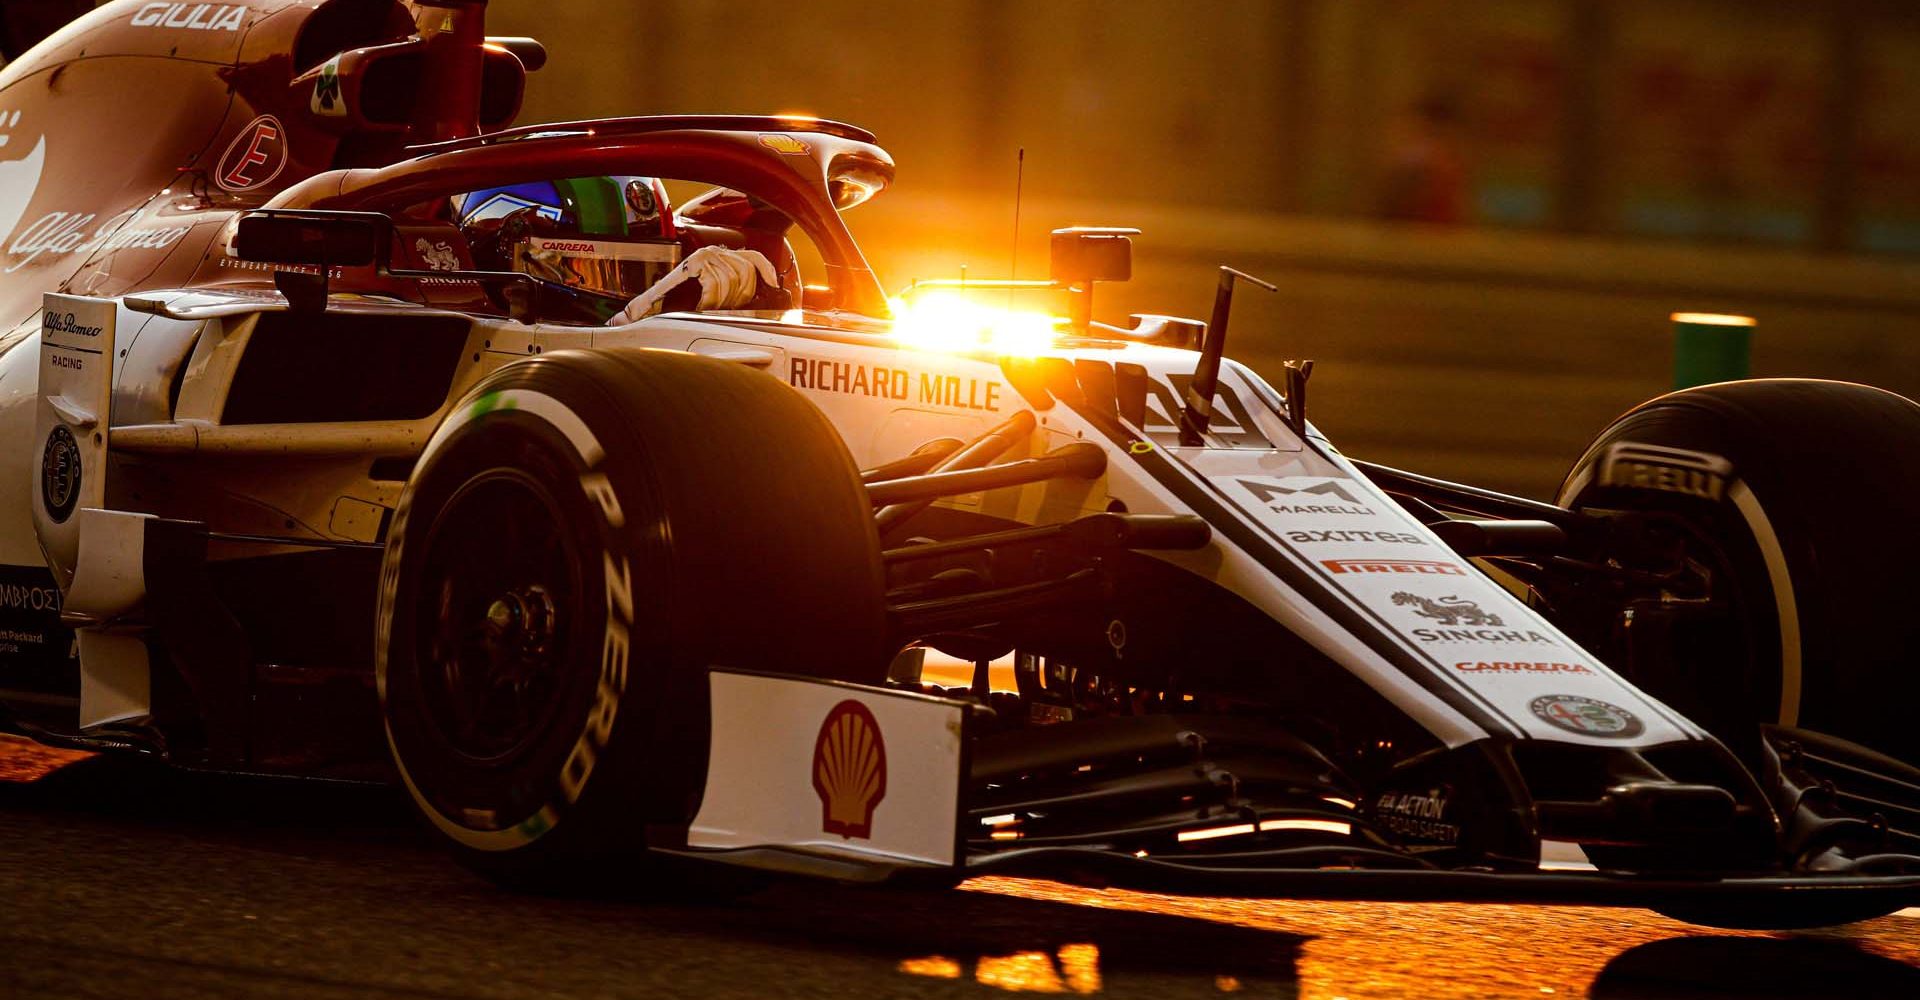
column 1743, row 687
column 716, row 519
column 1815, row 511
column 538, row 799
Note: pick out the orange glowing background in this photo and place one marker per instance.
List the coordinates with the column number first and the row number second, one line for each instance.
column 22, row 760
column 1357, row 950
column 1695, row 161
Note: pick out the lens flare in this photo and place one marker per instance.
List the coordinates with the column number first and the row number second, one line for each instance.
column 946, row 320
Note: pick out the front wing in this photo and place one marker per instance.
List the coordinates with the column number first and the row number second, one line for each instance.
column 869, row 784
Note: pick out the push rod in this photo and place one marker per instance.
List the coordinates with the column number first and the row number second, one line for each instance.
column 1106, row 531
column 981, row 451
column 1079, row 460
column 918, row 462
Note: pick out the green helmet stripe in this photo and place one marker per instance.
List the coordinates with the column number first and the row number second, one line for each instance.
column 597, row 204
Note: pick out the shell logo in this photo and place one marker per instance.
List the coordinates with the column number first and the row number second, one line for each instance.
column 849, row 770
column 780, row 142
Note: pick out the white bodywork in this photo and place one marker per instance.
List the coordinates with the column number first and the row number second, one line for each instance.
column 1346, row 574
column 776, row 774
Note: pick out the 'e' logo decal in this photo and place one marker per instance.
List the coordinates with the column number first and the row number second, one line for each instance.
column 255, row 157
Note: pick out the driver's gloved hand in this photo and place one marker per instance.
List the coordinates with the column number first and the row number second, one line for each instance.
column 728, row 278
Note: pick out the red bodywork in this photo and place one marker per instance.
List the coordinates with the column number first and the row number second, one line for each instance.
column 131, row 139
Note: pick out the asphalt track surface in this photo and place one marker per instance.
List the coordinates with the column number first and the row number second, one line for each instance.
column 122, row 880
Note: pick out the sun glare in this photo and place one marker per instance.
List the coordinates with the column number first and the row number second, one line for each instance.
column 946, row 320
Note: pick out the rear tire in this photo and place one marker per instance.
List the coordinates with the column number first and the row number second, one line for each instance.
column 1802, row 497
column 582, row 538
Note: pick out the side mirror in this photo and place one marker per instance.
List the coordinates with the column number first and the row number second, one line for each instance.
column 529, row 51
column 316, row 239
column 855, row 179
column 1085, row 254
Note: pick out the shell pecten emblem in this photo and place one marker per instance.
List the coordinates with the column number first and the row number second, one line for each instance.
column 782, row 143
column 849, row 770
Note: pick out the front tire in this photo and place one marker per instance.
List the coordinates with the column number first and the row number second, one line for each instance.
column 581, row 539
column 1799, row 499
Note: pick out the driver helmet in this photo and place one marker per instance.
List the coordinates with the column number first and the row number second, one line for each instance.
column 593, row 243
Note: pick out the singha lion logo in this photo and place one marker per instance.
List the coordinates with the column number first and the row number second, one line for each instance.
column 1448, row 610
column 438, row 256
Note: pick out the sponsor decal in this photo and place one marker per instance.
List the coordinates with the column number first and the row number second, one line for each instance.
column 255, row 157
column 1420, row 567
column 784, row 144
column 1232, row 425
column 640, row 198
column 849, row 770
column 926, row 388
column 650, row 251
column 60, row 474
column 61, row 233
column 38, row 649
column 959, row 393
column 437, row 256
column 1483, row 635
column 327, row 101
column 1521, row 667
column 1449, row 610
column 66, row 323
column 1669, row 470
column 19, row 178
column 263, row 265
column 1271, row 494
column 612, row 686
column 1391, row 537
column 1421, row 815
column 1587, row 716
column 25, row 597
column 191, row 16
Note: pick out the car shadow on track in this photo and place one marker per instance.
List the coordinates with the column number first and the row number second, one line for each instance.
column 336, row 852
column 1701, row 967
column 365, row 903
column 142, row 794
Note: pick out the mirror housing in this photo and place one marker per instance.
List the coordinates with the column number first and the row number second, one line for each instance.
column 315, row 239
column 321, row 241
column 1082, row 255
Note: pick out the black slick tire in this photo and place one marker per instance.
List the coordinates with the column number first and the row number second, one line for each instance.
column 1802, row 496
column 584, row 536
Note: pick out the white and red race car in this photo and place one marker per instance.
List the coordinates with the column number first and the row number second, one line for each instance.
column 352, row 432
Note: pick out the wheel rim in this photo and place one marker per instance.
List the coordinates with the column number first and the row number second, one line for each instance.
column 494, row 619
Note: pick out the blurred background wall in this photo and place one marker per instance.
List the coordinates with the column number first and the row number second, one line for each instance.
column 1775, row 122
column 1480, row 213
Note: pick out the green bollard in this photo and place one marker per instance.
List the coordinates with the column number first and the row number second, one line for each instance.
column 1710, row 347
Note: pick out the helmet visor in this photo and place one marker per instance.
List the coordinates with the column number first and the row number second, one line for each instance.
column 618, row 268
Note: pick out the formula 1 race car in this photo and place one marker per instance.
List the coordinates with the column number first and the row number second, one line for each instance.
column 352, row 432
